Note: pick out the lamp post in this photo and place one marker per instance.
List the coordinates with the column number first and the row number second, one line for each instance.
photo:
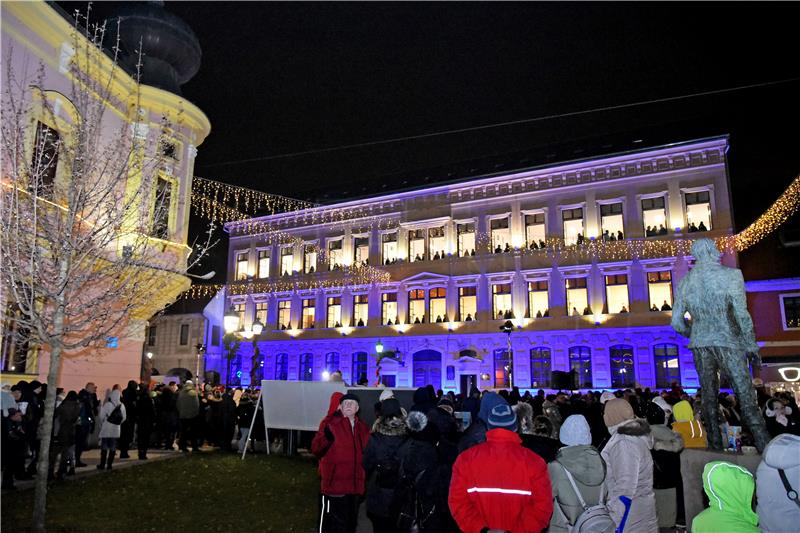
column 201, row 349
column 507, row 328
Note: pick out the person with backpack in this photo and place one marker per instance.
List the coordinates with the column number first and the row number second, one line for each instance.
column 729, row 488
column 382, row 465
column 692, row 431
column 577, row 475
column 777, row 476
column 499, row 484
column 667, row 446
column 112, row 415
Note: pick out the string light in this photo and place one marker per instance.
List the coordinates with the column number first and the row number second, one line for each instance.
column 246, row 200
column 778, row 213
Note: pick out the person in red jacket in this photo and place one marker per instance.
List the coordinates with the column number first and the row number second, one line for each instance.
column 339, row 444
column 499, row 484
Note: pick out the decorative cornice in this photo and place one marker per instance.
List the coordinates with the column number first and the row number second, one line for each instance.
column 769, row 285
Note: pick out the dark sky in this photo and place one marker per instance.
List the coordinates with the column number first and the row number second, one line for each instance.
column 279, row 78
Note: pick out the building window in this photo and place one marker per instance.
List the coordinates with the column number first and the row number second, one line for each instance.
column 540, row 367
column 161, row 209
column 791, row 311
column 580, row 363
column 659, row 286
column 538, row 299
column 623, row 374
column 184, row 334
column 501, row 301
column 263, row 263
column 331, row 362
column 501, row 368
column 577, row 297
column 389, row 308
column 309, row 312
column 361, row 250
column 45, row 159
column 151, row 336
column 501, row 235
column 215, row 335
column 416, row 245
column 284, row 314
column 335, row 254
column 654, row 215
column 466, row 239
column 667, row 363
column 698, row 211
column 360, row 310
column 334, row 312
column 241, row 265
column 287, row 260
column 535, row 234
column 617, row 293
column 239, row 309
column 611, row 222
column 467, row 304
column 573, row 225
column 389, row 248
column 306, row 370
column 436, row 243
column 309, row 258
column 358, row 374
column 282, row 366
column 437, row 301
column 416, row 306
column 261, row 313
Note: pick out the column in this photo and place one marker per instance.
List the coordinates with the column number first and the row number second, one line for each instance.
column 590, row 212
column 516, row 226
column 675, row 206
column 637, row 289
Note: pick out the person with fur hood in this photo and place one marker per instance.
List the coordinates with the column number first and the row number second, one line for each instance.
column 535, row 432
column 630, row 467
column 776, row 512
column 382, row 465
column 667, row 446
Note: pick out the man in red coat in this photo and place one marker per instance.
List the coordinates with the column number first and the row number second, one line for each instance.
column 339, row 444
column 499, row 484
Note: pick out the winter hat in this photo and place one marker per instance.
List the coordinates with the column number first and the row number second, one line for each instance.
column 390, row 407
column 416, row 421
column 189, row 382
column 683, row 411
column 575, row 431
column 489, row 401
column 386, row 394
column 502, row 416
column 606, row 396
column 662, row 403
column 617, row 411
column 349, row 396
column 655, row 414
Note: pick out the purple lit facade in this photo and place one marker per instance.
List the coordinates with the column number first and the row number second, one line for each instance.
column 465, row 257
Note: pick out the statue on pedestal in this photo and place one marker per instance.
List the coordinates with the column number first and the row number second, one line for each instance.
column 721, row 335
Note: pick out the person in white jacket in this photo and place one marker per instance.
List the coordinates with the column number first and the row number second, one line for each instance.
column 110, row 430
column 776, row 512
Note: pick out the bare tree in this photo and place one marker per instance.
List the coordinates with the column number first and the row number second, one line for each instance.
column 83, row 213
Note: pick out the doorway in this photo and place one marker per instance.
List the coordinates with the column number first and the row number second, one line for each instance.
column 467, row 382
column 428, row 369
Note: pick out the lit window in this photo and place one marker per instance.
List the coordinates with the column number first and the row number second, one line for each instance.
column 611, row 222
column 284, row 314
column 416, row 306
column 438, row 304
column 389, row 248
column 580, row 362
column 263, row 263
column 282, row 366
column 360, row 310
column 436, row 243
column 791, row 311
column 573, row 225
column 334, row 312
column 161, row 209
column 538, row 300
column 309, row 258
column 622, row 371
column 261, row 313
column 331, row 362
column 577, row 297
column 361, row 250
column 667, row 363
column 241, row 265
column 654, row 215
column 466, row 239
column 501, row 235
column 535, row 234
column 501, row 301
column 501, row 368
column 309, row 311
column 617, row 293
column 45, row 159
column 239, row 308
column 540, row 367
column 698, row 211
column 467, row 304
column 659, row 286
column 389, row 308
column 335, row 254
column 416, row 245
column 287, row 260
column 359, row 371
column 305, row 371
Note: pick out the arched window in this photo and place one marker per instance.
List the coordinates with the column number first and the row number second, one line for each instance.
column 501, row 367
column 306, row 370
column 282, row 366
column 331, row 361
column 668, row 368
column 359, row 372
column 623, row 374
column 540, row 367
column 580, row 361
column 427, row 368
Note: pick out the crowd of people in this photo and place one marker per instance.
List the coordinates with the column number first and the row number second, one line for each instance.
column 562, row 462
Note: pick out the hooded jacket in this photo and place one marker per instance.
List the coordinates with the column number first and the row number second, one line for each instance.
column 729, row 488
column 776, row 512
column 691, row 430
column 187, row 404
column 108, row 430
column 589, row 471
column 476, row 432
column 382, row 463
column 667, row 445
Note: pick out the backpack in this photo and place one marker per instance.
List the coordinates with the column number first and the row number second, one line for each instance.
column 412, row 517
column 387, row 473
column 116, row 416
column 593, row 519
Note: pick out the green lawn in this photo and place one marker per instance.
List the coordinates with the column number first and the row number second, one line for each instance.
column 209, row 491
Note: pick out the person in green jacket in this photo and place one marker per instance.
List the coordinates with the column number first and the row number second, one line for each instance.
column 730, row 495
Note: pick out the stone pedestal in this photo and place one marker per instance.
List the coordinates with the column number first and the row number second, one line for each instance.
column 692, row 463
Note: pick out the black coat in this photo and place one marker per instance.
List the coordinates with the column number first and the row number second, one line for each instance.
column 382, row 466
column 544, row 447
column 475, row 434
column 244, row 413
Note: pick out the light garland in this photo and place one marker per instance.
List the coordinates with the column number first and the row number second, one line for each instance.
column 246, row 200
column 778, row 213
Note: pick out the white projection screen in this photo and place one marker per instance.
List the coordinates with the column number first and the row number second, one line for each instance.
column 297, row 405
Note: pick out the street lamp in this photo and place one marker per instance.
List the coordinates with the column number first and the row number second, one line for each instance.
column 230, row 320
column 507, row 328
column 257, row 327
column 379, row 347
column 201, row 349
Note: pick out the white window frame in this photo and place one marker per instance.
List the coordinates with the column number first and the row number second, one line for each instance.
column 236, row 262
column 489, row 220
column 712, row 204
column 611, row 201
column 268, row 250
column 562, row 208
column 316, row 256
column 783, row 311
column 524, row 213
column 328, row 242
column 456, row 223
column 649, row 196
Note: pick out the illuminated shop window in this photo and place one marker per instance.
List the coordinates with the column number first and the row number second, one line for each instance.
column 573, row 225
column 309, row 313
column 577, row 297
column 466, row 239
column 698, row 211
column 467, row 304
column 623, row 375
column 611, row 222
column 659, row 287
column 580, row 362
column 667, row 363
column 538, row 299
column 654, row 216
column 334, row 312
column 617, row 293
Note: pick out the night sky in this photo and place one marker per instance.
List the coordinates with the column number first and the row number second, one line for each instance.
column 282, row 78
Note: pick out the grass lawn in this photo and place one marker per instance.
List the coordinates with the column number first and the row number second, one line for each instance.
column 210, row 491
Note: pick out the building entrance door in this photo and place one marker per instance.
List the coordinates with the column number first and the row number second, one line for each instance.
column 428, row 369
column 467, row 382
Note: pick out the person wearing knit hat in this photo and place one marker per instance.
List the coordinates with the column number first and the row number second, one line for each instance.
column 630, row 467
column 692, row 431
column 662, row 403
column 386, row 393
column 606, row 396
column 502, row 416
column 584, row 464
column 476, row 432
